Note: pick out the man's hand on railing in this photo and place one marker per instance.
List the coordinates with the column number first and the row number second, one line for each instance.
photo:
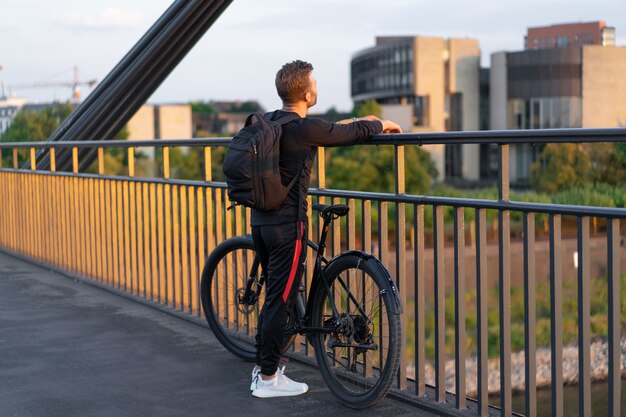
column 391, row 127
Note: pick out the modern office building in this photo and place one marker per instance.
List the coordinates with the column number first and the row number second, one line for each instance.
column 426, row 84
column 556, row 88
column 569, row 35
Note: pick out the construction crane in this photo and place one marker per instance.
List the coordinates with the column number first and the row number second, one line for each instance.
column 75, row 85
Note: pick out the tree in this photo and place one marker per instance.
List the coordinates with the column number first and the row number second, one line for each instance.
column 366, row 108
column 203, row 107
column 566, row 165
column 369, row 168
column 560, row 166
column 31, row 126
column 608, row 163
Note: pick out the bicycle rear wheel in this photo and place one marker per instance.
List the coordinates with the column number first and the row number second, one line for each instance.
column 359, row 359
column 232, row 294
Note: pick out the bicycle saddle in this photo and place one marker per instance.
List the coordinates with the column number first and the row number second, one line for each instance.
column 336, row 209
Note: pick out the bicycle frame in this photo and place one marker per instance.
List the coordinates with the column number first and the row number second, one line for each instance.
column 303, row 312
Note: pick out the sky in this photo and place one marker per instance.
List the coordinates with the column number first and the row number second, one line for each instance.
column 238, row 57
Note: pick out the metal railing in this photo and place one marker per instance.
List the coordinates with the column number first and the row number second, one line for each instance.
column 150, row 236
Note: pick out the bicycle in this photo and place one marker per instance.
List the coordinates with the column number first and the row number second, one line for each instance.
column 352, row 316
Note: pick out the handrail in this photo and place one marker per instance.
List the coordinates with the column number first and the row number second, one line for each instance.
column 501, row 137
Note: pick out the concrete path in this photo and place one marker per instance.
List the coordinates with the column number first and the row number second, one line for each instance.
column 70, row 349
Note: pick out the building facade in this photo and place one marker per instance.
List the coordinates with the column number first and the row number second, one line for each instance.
column 556, row 88
column 171, row 121
column 426, row 84
column 166, row 121
column 570, row 35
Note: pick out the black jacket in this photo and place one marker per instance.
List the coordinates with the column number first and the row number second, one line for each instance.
column 298, row 148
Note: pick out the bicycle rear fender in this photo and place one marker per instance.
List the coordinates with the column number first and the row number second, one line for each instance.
column 376, row 265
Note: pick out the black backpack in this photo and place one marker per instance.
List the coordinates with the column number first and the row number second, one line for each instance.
column 251, row 164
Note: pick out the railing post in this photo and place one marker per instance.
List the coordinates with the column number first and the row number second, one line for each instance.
column 100, row 161
column 166, row 162
column 556, row 315
column 208, row 174
column 401, row 253
column 481, row 311
column 504, row 228
column 584, row 322
column 131, row 161
column 75, row 160
column 33, row 160
column 53, row 160
column 15, row 161
column 459, row 306
column 530, row 317
column 440, row 299
column 418, row 251
column 321, row 168
column 613, row 243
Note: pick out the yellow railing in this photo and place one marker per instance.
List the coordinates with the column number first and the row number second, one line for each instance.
column 147, row 237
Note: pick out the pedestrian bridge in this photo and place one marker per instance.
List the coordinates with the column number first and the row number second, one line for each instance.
column 147, row 238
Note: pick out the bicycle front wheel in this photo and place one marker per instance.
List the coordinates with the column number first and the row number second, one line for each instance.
column 360, row 357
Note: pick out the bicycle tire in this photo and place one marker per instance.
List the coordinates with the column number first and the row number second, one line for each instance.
column 219, row 289
column 358, row 387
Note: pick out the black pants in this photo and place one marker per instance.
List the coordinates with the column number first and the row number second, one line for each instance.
column 282, row 249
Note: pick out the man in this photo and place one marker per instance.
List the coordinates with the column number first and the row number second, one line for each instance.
column 279, row 235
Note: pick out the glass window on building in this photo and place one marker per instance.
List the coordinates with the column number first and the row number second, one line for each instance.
column 456, row 112
column 535, row 116
column 562, row 41
column 565, row 112
column 524, row 160
column 421, row 111
column 489, row 161
column 516, row 114
column 575, row 112
column 555, row 114
column 454, row 161
column 545, row 113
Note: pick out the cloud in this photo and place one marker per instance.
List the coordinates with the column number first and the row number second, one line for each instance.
column 109, row 18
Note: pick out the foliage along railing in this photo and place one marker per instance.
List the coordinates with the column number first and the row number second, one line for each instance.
column 150, row 237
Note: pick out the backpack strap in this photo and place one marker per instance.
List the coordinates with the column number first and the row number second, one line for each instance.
column 248, row 121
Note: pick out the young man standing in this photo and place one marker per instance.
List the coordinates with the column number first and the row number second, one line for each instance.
column 279, row 236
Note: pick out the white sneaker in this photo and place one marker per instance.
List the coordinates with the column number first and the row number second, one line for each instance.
column 256, row 372
column 279, row 386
